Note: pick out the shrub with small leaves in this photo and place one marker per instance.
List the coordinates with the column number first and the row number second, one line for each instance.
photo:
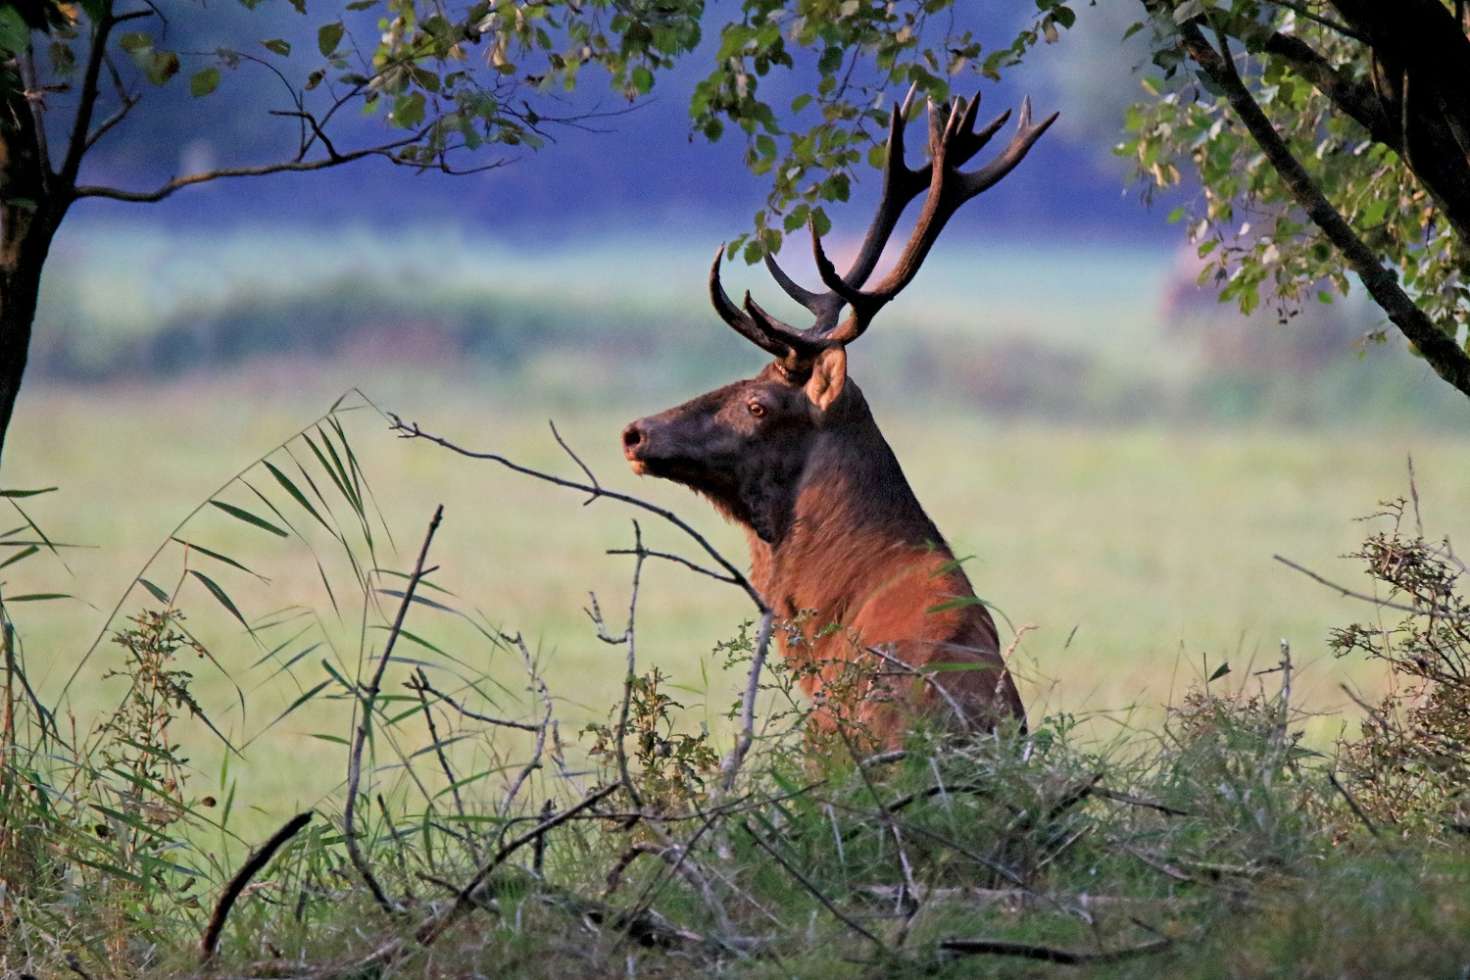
column 1411, row 763
column 672, row 765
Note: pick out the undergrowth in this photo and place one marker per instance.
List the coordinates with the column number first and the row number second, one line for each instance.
column 475, row 838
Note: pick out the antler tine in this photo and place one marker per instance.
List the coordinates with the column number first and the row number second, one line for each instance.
column 826, row 307
column 1020, row 144
column 901, row 184
column 951, row 143
column 753, row 323
column 798, row 343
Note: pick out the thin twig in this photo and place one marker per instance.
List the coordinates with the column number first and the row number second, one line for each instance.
column 538, row 686
column 910, row 903
column 420, row 688
column 813, row 889
column 252, row 866
column 472, row 715
column 730, row 767
column 630, row 678
column 354, row 765
column 435, row 927
column 586, row 470
column 1350, row 594
column 927, row 676
column 1131, row 800
column 293, row 166
column 1352, row 804
column 411, row 430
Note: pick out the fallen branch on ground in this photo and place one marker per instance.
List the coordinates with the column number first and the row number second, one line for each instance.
column 252, row 867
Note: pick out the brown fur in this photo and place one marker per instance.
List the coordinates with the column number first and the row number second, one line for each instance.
column 840, row 547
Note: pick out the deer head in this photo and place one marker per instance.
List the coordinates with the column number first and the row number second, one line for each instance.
column 746, row 445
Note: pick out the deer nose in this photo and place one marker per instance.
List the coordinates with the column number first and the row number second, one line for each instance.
column 633, row 437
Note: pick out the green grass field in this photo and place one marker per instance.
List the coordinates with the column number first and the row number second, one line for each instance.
column 1143, row 556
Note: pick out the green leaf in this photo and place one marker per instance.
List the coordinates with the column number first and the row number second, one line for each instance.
column 154, row 591
column 221, row 596
column 225, row 559
column 408, row 112
column 1220, row 672
column 305, row 697
column 36, row 597
column 135, row 41
column 296, row 494
column 1188, row 10
column 328, row 38
column 20, row 556
column 280, row 47
column 642, row 80
column 17, row 494
column 15, row 33
column 204, row 82
column 958, row 602
column 161, row 67
column 239, row 513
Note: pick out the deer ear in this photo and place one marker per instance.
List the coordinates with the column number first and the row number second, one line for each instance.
column 829, row 374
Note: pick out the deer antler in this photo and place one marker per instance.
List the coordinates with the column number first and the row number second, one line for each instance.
column 953, row 142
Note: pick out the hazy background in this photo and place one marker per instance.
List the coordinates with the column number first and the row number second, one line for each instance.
column 1121, row 455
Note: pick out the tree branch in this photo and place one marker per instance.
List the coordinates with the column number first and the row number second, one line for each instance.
column 1445, row 356
column 1302, row 10
column 128, row 101
column 291, row 166
column 1354, row 98
column 411, row 430
column 78, row 143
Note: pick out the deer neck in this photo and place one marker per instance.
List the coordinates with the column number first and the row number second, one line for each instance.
column 852, row 513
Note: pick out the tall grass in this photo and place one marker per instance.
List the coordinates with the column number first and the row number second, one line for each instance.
column 465, row 831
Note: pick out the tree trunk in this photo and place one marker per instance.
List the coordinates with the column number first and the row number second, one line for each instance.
column 30, row 212
column 25, row 239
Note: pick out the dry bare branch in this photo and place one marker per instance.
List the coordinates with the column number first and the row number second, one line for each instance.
column 411, row 430
column 370, row 696
column 730, row 766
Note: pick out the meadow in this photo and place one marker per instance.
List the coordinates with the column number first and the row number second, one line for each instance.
column 1143, row 555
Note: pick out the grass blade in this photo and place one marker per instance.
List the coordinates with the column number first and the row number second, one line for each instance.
column 296, row 495
column 217, row 556
column 20, row 556
column 221, row 596
column 241, row 514
column 155, row 591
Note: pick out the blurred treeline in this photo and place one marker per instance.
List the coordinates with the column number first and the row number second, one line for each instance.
column 1097, row 336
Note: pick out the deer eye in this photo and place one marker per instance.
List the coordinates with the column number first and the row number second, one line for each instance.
column 756, row 409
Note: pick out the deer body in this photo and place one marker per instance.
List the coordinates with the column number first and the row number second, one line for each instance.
column 841, row 550
column 861, row 568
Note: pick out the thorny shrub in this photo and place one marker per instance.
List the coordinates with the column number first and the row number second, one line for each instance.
column 1411, row 764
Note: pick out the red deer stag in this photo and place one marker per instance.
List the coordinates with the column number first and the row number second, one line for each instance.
column 840, row 547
